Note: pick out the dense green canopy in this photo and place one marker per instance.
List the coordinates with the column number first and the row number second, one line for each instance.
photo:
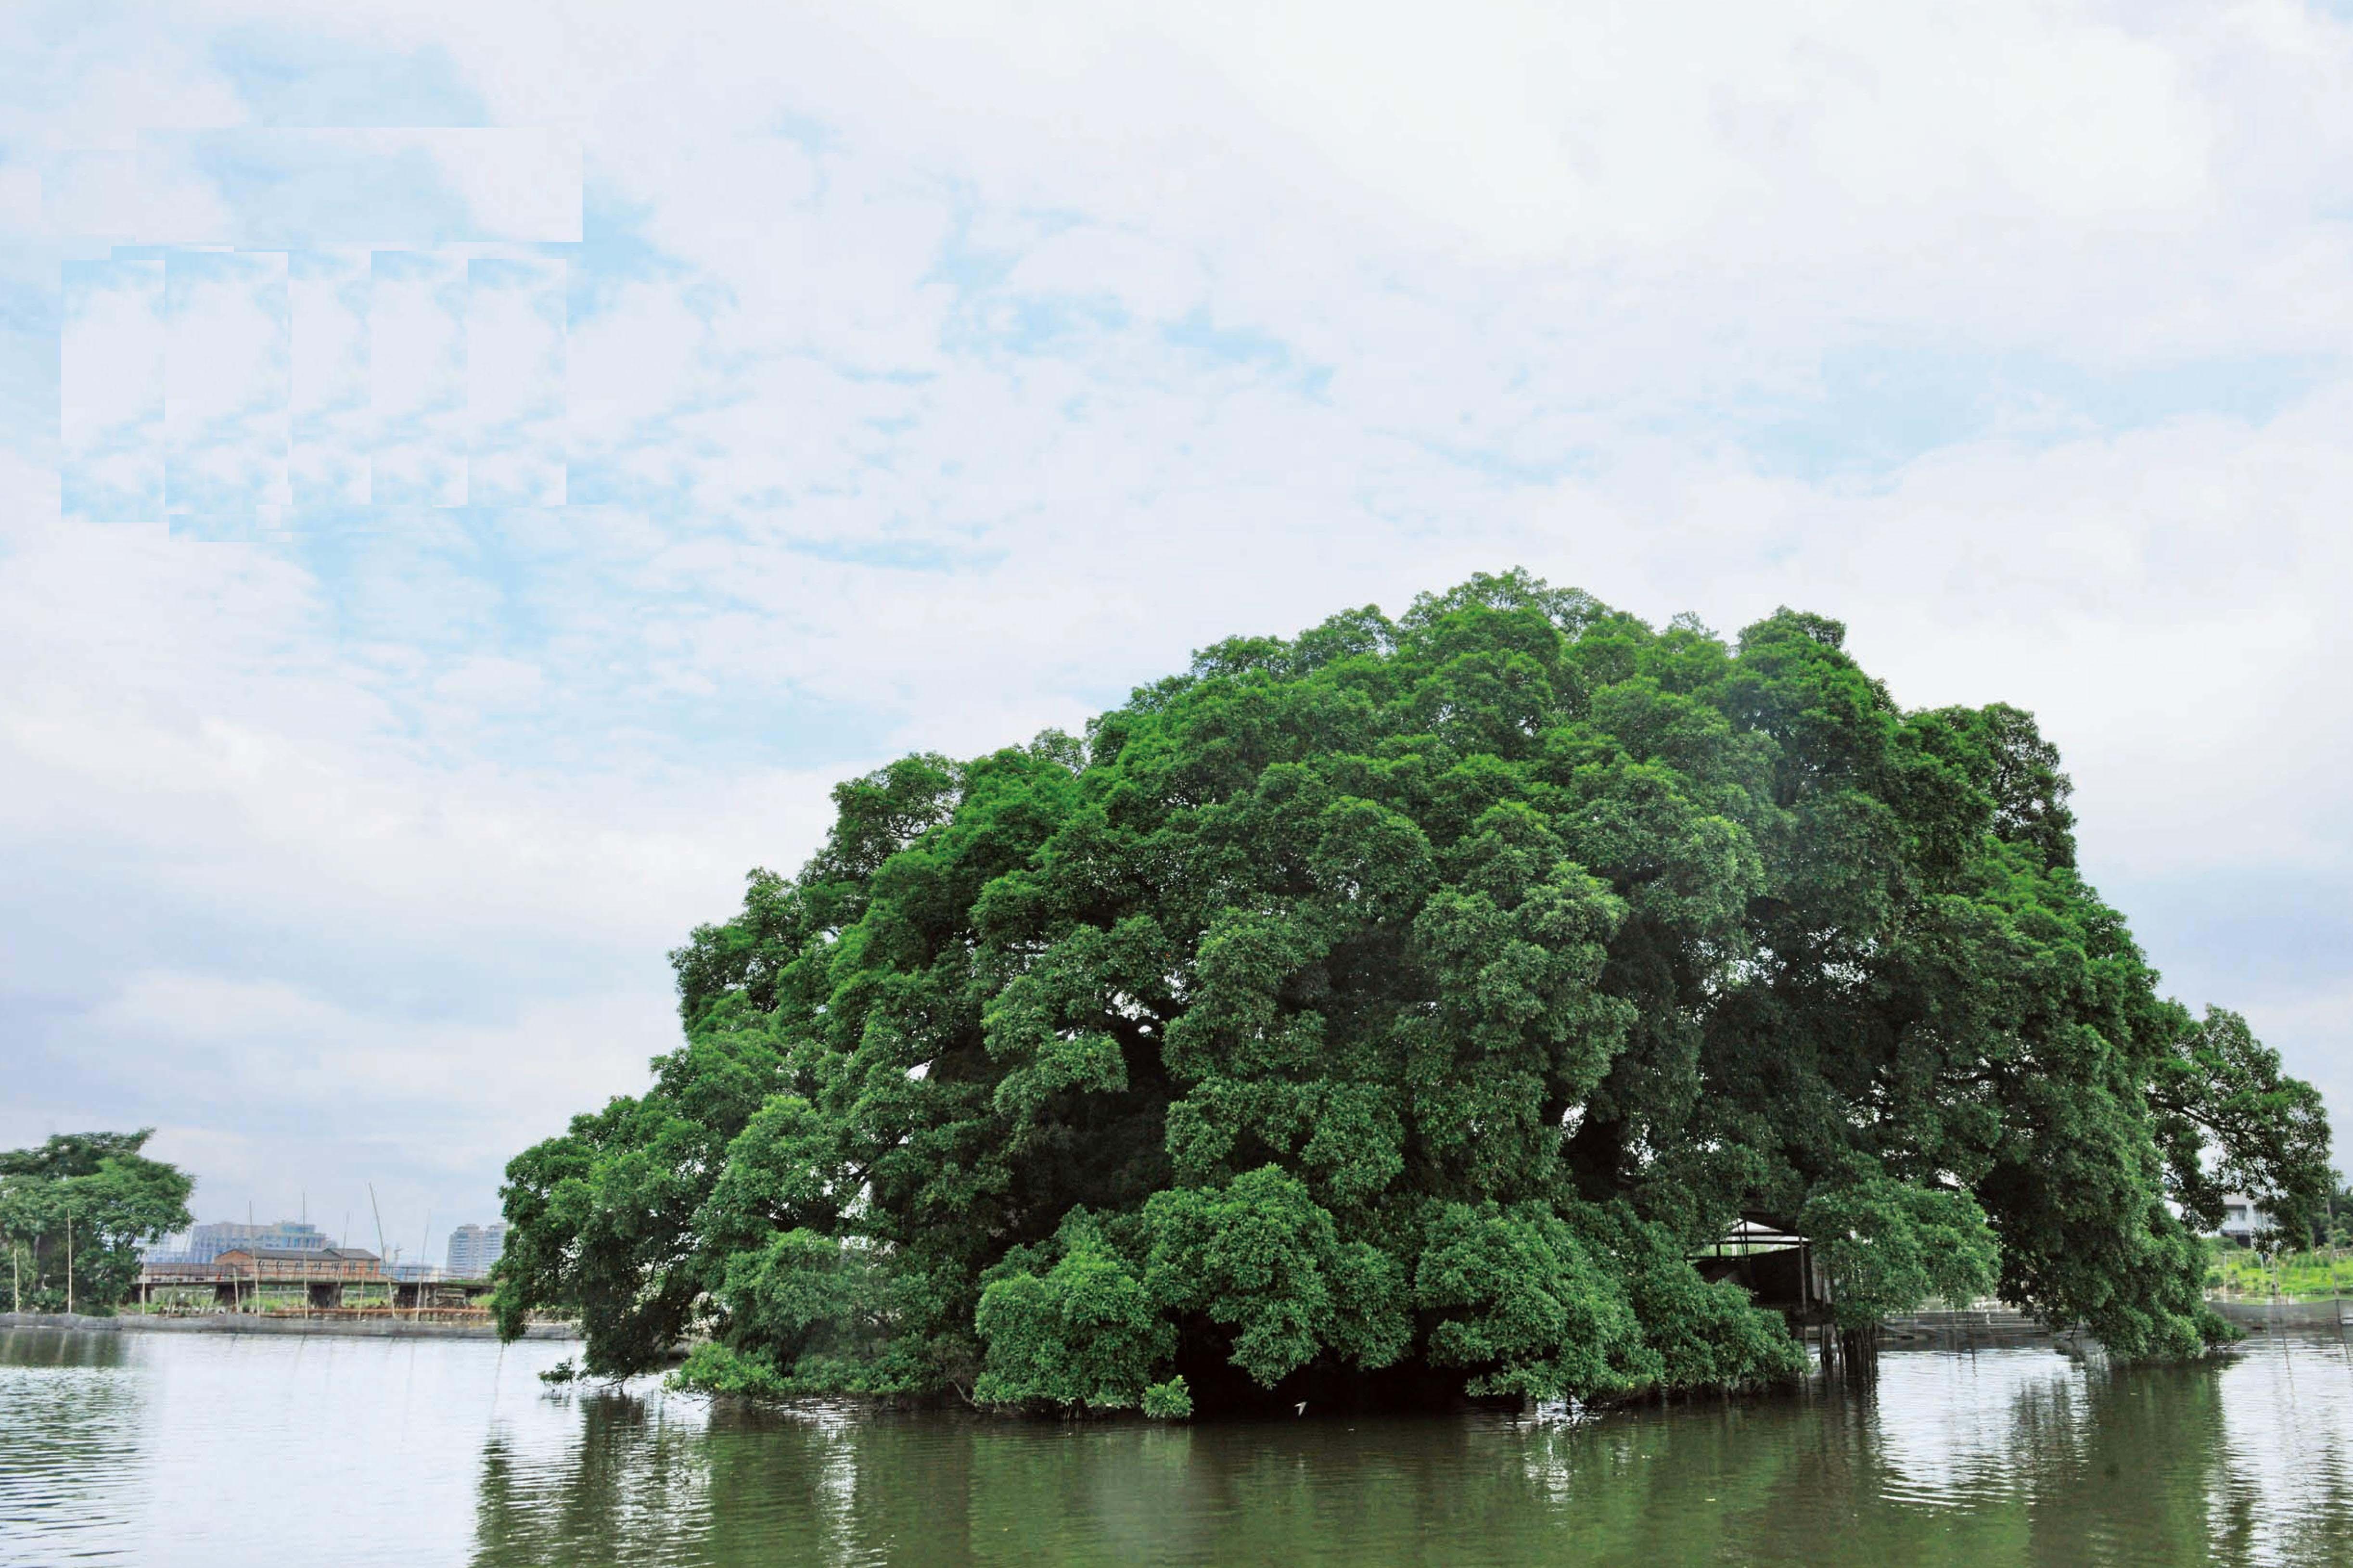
column 97, row 1190
column 1394, row 1009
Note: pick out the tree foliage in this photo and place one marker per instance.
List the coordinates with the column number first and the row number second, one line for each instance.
column 1400, row 1004
column 98, row 1189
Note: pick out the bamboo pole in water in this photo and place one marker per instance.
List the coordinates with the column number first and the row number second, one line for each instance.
column 383, row 1259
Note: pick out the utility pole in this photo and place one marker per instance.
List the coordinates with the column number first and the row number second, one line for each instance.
column 383, row 1259
column 68, row 1260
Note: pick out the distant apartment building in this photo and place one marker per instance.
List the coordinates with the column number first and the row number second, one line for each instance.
column 2244, row 1219
column 473, row 1249
column 204, row 1243
column 171, row 1249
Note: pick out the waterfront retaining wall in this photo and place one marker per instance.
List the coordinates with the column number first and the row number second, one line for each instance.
column 252, row 1323
column 78, row 1321
column 2258, row 1315
column 2008, row 1325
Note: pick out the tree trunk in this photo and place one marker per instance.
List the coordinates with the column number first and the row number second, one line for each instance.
column 1859, row 1353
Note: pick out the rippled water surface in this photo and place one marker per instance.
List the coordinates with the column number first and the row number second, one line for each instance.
column 145, row 1449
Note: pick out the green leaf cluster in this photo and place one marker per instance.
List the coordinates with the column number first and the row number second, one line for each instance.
column 1399, row 1005
column 96, row 1190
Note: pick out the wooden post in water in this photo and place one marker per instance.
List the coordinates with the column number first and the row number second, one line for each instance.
column 68, row 1260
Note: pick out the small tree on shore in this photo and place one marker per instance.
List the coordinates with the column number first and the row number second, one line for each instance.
column 75, row 1211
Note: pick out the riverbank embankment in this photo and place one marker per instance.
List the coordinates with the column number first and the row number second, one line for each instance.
column 2328, row 1314
column 1985, row 1327
column 253, row 1324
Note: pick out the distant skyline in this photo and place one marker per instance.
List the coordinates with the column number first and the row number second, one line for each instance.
column 473, row 1249
column 437, row 563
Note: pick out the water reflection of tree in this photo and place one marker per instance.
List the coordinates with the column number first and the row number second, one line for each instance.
column 616, row 1496
column 2070, row 1469
column 62, row 1347
column 839, row 1487
column 758, row 1486
column 742, row 1486
column 2118, row 1479
column 2279, row 1477
column 2138, row 1466
column 75, row 1425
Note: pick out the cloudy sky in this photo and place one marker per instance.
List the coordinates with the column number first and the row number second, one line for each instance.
column 471, row 476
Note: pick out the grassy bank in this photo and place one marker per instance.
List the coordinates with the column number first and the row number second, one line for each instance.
column 2243, row 1274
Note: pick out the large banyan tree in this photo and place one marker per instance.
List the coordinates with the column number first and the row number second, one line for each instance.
column 1391, row 1012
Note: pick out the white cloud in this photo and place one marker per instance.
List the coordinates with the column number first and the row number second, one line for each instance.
column 328, row 312
column 274, row 187
column 226, row 386
column 515, row 340
column 111, row 398
column 416, row 378
column 638, row 358
column 271, row 1089
column 1151, row 277
column 91, row 191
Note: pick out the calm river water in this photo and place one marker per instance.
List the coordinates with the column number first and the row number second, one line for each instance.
column 165, row 1449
